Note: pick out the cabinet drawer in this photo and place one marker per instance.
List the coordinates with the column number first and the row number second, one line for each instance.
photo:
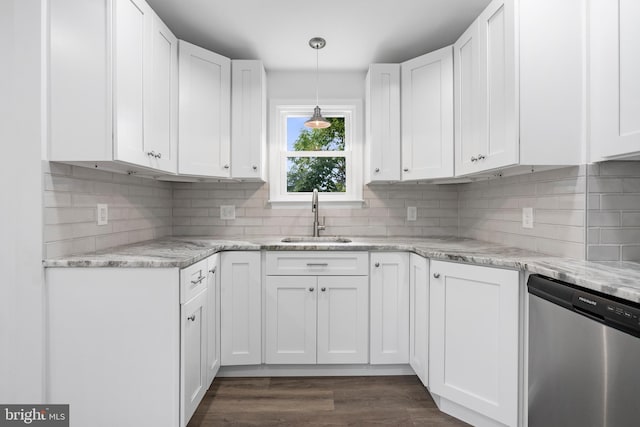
column 318, row 263
column 193, row 280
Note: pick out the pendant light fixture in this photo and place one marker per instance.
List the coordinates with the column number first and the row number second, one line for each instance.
column 317, row 121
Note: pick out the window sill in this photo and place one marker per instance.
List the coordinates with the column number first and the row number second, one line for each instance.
column 298, row 204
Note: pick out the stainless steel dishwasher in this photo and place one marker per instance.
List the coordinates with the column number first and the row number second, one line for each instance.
column 584, row 357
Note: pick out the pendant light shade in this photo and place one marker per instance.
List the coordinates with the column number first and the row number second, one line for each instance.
column 317, row 121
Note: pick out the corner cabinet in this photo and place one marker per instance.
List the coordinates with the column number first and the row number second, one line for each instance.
column 427, row 116
column 382, row 133
column 248, row 120
column 240, row 308
column 419, row 317
column 474, row 357
column 520, row 97
column 389, row 288
column 317, row 308
column 614, row 70
column 113, row 97
column 204, row 112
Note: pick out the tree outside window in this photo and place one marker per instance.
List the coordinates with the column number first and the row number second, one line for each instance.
column 315, row 157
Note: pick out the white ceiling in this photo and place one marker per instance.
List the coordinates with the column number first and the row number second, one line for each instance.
column 358, row 32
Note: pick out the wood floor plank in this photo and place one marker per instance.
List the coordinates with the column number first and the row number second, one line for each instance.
column 319, row 401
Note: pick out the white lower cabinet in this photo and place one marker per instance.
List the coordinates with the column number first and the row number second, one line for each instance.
column 240, row 308
column 389, row 282
column 193, row 354
column 319, row 314
column 474, row 323
column 142, row 334
column 213, row 317
column 419, row 317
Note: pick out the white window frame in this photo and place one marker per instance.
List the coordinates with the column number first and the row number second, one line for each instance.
column 351, row 110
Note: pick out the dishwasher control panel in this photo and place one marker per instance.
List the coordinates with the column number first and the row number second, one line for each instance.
column 608, row 311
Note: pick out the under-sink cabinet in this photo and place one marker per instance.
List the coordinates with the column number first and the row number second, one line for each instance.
column 146, row 336
column 389, row 287
column 317, row 307
column 474, row 342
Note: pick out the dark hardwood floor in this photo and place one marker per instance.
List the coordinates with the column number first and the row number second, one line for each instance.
column 319, row 401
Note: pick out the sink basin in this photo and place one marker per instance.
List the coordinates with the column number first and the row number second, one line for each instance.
column 321, row 239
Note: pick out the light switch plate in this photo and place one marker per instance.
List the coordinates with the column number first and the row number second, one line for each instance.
column 102, row 214
column 228, row 212
column 527, row 217
column 412, row 213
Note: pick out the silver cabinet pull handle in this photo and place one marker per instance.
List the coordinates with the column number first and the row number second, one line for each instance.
column 481, row 157
column 151, row 153
column 377, row 264
column 254, row 167
column 323, row 289
column 317, row 264
column 213, row 270
column 406, row 169
column 311, row 289
column 474, row 159
column 192, row 318
column 436, row 275
column 159, row 155
column 377, row 170
column 226, row 166
column 198, row 280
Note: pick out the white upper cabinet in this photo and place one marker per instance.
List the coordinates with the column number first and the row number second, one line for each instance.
column 382, row 134
column 112, row 97
column 519, row 85
column 615, row 86
column 427, row 116
column 248, row 120
column 204, row 112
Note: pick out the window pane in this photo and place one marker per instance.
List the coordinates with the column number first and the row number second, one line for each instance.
column 327, row 174
column 301, row 138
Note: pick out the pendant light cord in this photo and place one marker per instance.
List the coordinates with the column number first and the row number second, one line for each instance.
column 317, row 76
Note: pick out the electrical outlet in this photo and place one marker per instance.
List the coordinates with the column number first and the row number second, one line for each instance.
column 527, row 217
column 102, row 214
column 412, row 213
column 228, row 212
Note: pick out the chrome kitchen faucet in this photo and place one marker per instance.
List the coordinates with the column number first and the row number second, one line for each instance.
column 314, row 208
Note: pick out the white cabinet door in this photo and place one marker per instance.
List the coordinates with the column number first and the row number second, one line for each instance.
column 343, row 319
column 419, row 317
column 614, row 84
column 389, row 287
column 474, row 338
column 382, row 146
column 240, row 308
column 204, row 112
column 467, row 90
column 213, row 317
column 291, row 319
column 132, row 31
column 498, row 143
column 427, row 116
column 193, row 354
column 248, row 120
column 161, row 104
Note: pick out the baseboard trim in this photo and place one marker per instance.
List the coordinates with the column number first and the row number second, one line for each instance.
column 313, row 370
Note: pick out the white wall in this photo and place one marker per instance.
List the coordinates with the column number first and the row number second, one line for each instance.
column 302, row 85
column 21, row 288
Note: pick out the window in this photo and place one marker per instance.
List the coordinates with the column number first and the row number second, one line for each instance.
column 302, row 159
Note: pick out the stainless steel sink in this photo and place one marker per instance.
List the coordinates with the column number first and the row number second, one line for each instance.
column 321, row 239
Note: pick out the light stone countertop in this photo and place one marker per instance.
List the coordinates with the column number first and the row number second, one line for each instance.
column 620, row 279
